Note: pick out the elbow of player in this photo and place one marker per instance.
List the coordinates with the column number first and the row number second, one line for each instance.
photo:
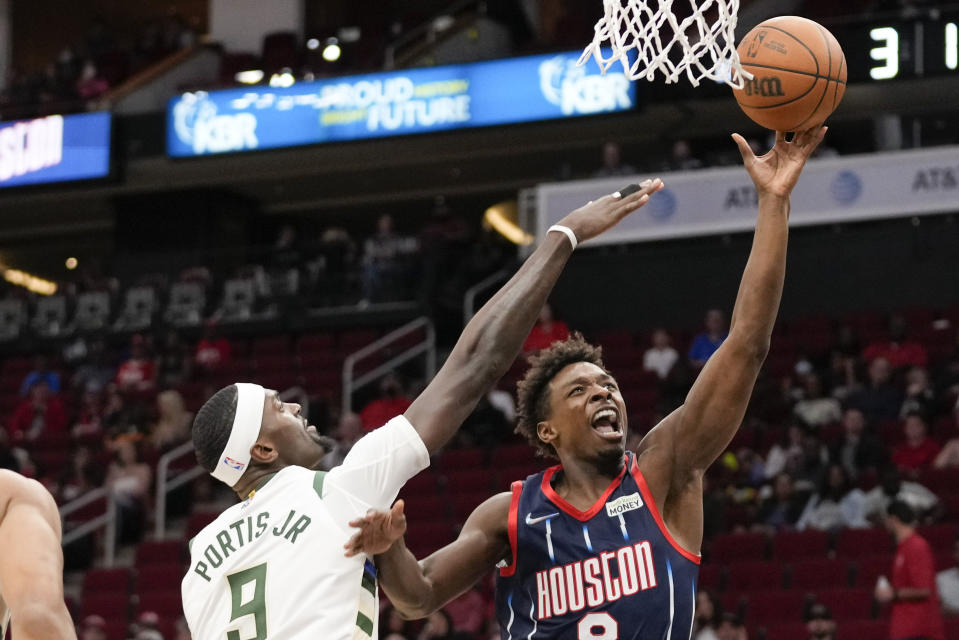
column 37, row 620
column 751, row 345
column 415, row 611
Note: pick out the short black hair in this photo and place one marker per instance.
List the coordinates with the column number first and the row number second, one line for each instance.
column 901, row 510
column 212, row 426
column 532, row 390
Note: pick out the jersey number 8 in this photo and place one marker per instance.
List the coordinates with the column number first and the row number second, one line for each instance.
column 597, row 626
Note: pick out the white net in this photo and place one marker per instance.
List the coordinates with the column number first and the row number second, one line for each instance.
column 647, row 39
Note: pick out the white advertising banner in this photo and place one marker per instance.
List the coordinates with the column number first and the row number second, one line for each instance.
column 711, row 201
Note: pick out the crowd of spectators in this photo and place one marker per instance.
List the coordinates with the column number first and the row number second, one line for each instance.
column 85, row 70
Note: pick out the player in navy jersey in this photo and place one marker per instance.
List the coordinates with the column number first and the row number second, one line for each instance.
column 605, row 545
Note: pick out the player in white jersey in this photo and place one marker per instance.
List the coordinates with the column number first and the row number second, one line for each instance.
column 31, row 562
column 274, row 566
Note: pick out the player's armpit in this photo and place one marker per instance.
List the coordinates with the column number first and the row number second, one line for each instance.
column 417, row 589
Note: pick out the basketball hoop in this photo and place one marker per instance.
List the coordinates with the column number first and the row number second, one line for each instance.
column 696, row 45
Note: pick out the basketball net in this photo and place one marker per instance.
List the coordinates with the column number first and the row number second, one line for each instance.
column 659, row 41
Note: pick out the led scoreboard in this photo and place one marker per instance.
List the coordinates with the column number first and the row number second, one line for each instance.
column 898, row 49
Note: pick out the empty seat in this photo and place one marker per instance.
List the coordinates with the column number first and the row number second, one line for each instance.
column 711, row 576
column 787, row 631
column 939, row 536
column 774, row 606
column 111, row 606
column 819, row 574
column 738, row 546
column 101, row 581
column 159, row 577
column 164, row 603
column 848, row 603
column 869, row 568
column 854, row 543
column 197, row 521
column 753, row 575
column 790, row 545
column 865, row 630
column 170, row 552
column 463, row 504
column 461, row 459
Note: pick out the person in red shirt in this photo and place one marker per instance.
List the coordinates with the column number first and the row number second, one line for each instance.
column 392, row 402
column 912, row 590
column 899, row 350
column 212, row 352
column 919, row 450
column 39, row 413
column 139, row 372
column 546, row 331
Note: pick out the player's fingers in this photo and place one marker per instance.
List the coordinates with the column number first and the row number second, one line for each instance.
column 780, row 137
column 744, row 149
column 398, row 506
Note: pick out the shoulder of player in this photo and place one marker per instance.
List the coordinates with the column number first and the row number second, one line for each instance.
column 17, row 489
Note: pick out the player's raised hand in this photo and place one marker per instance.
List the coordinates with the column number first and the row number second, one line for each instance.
column 777, row 172
column 601, row 215
column 378, row 530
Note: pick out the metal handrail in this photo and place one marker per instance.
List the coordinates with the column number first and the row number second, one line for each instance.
column 426, row 32
column 108, row 522
column 428, row 346
column 469, row 299
column 165, row 484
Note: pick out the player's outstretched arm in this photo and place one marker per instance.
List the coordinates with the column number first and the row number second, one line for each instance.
column 492, row 339
column 417, row 589
column 690, row 439
column 31, row 564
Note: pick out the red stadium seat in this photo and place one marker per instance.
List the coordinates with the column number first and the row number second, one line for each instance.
column 197, row 521
column 791, row 545
column 463, row 504
column 711, row 576
column 171, row 552
column 106, row 581
column 751, row 576
column 457, row 459
column 164, row 603
column 470, row 479
column 855, row 543
column 819, row 574
column 515, row 454
column 864, row 630
column 112, row 606
column 774, row 606
column 738, row 546
column 869, row 568
column 423, row 483
column 426, row 507
column 848, row 604
column 153, row 578
column 787, row 631
column 940, row 537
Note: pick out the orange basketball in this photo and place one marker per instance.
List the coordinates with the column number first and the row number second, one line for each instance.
column 799, row 74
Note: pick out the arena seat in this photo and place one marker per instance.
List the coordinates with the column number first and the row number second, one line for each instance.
column 864, row 630
column 456, row 459
column 159, row 577
column 848, row 603
column 112, row 606
column 463, row 504
column 855, row 543
column 790, row 545
column 786, row 631
column 738, row 546
column 711, row 576
column 164, row 603
column 754, row 575
column 169, row 552
column 106, row 581
column 198, row 520
column 819, row 574
column 939, row 536
column 774, row 606
column 869, row 568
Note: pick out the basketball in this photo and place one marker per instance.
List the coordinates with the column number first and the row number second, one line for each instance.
column 799, row 74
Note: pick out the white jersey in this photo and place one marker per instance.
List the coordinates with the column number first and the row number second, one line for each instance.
column 273, row 567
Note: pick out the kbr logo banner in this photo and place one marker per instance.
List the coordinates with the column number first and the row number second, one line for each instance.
column 395, row 103
column 54, row 149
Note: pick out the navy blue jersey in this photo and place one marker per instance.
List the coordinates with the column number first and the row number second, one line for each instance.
column 610, row 573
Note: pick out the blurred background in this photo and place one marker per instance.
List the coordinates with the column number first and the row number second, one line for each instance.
column 318, row 195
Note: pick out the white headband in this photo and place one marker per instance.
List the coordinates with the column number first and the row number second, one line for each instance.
column 246, row 429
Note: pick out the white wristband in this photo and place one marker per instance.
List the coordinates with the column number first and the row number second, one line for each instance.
column 569, row 233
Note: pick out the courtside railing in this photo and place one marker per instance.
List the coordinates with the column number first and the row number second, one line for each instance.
column 352, row 383
column 469, row 299
column 107, row 522
column 169, row 478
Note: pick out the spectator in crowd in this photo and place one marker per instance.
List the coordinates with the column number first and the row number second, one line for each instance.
column 212, row 351
column 393, row 625
column 782, row 509
column 138, row 373
column 840, row 377
column 892, row 487
column 919, row 450
column 947, row 583
column 681, row 158
column 705, row 344
column 486, row 426
column 786, row 453
column 660, row 357
column 82, row 476
column 94, row 372
column 897, row 349
column 545, row 332
column 40, row 413
column 837, row 504
column 439, row 626
column 846, row 342
column 912, row 589
column 172, row 426
column 392, row 402
column 857, row 451
column 89, row 421
column 706, row 617
column 385, row 258
column 920, row 396
column 613, row 165
column 90, row 85
column 93, row 627
column 816, row 410
column 173, row 361
column 41, row 372
column 731, row 628
column 129, row 481
column 949, row 456
column 819, row 623
column 468, row 612
column 880, row 399
column 348, row 431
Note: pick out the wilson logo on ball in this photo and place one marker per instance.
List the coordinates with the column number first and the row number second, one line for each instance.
column 768, row 87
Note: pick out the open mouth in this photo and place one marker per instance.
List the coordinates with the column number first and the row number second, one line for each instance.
column 606, row 423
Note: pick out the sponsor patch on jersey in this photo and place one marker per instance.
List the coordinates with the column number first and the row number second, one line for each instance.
column 620, row 506
column 233, row 464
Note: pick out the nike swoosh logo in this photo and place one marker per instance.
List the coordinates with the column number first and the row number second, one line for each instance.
column 531, row 521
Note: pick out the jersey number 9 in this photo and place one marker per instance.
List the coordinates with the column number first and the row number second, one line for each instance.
column 248, row 591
